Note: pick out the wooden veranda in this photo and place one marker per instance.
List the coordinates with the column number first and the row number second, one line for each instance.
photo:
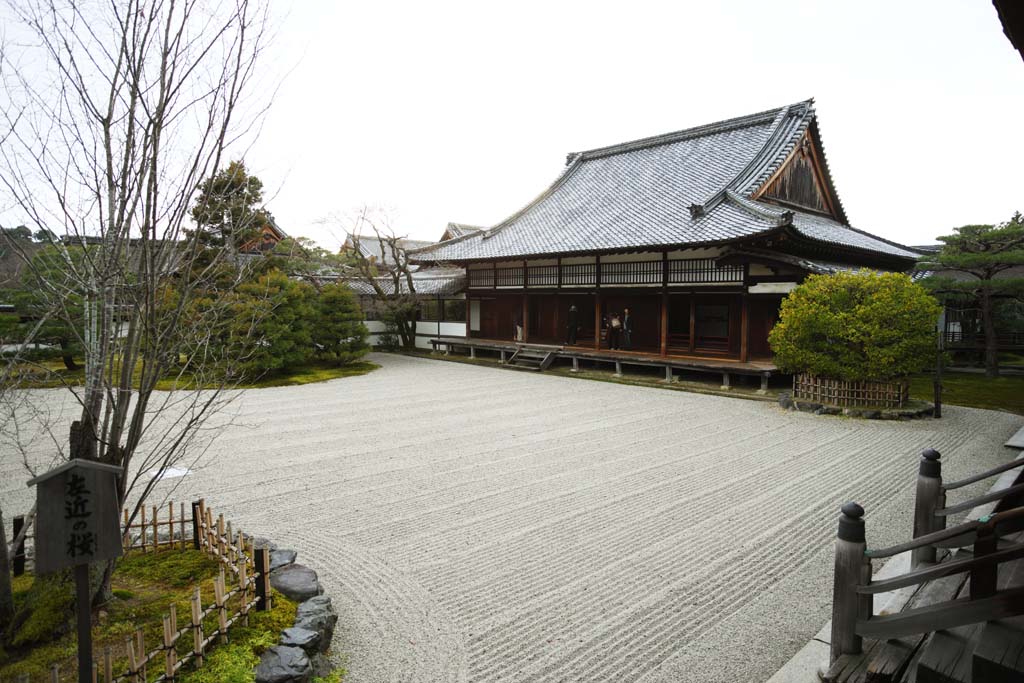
column 541, row 356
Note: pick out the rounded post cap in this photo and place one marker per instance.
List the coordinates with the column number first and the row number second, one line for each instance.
column 851, row 524
column 853, row 510
column 930, row 465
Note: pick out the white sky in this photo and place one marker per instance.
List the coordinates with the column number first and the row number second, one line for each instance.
column 464, row 111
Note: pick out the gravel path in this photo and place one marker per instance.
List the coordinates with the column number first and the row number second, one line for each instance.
column 476, row 524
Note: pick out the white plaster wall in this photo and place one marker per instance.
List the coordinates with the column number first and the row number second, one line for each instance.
column 631, row 258
column 710, row 252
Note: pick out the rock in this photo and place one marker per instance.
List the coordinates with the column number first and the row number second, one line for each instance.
column 321, row 665
column 261, row 542
column 296, row 581
column 309, row 641
column 281, row 558
column 282, row 664
column 317, row 614
column 872, row 414
column 785, row 401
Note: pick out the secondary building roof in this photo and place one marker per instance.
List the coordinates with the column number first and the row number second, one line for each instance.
column 371, row 246
column 698, row 186
column 426, row 281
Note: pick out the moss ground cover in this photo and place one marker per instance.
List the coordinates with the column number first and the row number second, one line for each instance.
column 144, row 586
column 52, row 373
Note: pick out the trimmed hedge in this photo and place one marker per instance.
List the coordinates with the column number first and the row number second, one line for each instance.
column 856, row 326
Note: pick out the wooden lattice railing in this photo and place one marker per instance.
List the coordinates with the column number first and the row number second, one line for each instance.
column 242, row 585
column 845, row 393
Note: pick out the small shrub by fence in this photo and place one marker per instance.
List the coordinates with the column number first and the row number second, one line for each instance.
column 844, row 393
column 241, row 585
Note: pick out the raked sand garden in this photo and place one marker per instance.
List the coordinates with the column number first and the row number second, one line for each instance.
column 477, row 524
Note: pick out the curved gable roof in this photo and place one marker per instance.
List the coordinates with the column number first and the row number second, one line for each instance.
column 684, row 188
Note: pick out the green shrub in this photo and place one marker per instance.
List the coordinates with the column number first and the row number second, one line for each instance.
column 338, row 330
column 856, row 326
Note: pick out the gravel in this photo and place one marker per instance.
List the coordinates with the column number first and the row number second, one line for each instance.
column 477, row 524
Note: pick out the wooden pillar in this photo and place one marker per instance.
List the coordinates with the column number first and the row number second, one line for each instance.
column 597, row 321
column 693, row 323
column 526, row 318
column 929, row 498
column 664, row 324
column 744, row 328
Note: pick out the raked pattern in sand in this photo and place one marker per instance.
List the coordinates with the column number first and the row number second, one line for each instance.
column 477, row 524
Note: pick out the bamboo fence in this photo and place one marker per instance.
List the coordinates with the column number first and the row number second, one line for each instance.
column 242, row 584
column 839, row 392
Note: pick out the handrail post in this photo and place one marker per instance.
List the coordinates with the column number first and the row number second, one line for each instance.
column 984, row 577
column 930, row 497
column 847, row 605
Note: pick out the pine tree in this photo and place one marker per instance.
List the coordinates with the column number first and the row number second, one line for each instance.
column 339, row 332
column 227, row 210
column 982, row 253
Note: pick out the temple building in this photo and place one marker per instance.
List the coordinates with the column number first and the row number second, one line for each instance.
column 699, row 233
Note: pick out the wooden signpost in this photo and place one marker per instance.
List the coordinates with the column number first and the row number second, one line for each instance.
column 76, row 525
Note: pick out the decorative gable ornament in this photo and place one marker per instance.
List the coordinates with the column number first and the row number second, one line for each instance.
column 76, row 515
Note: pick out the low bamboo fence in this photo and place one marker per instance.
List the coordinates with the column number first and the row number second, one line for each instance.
column 845, row 393
column 242, row 585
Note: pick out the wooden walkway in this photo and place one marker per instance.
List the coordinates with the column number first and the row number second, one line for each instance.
column 540, row 356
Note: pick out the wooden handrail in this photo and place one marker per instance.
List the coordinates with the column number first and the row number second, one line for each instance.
column 928, row 539
column 980, row 500
column 943, row 615
column 964, row 529
column 1016, row 551
column 1005, row 467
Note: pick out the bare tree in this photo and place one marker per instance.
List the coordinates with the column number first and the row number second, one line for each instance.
column 385, row 269
column 113, row 113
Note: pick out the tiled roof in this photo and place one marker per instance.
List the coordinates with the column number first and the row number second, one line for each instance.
column 370, row 246
column 691, row 187
column 428, row 281
column 460, row 229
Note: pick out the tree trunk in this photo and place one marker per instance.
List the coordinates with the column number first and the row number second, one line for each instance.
column 408, row 333
column 989, row 328
column 6, row 592
column 69, row 360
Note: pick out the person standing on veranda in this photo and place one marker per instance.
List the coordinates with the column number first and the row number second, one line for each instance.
column 614, row 331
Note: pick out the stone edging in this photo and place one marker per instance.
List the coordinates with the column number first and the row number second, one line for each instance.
column 302, row 650
column 916, row 409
